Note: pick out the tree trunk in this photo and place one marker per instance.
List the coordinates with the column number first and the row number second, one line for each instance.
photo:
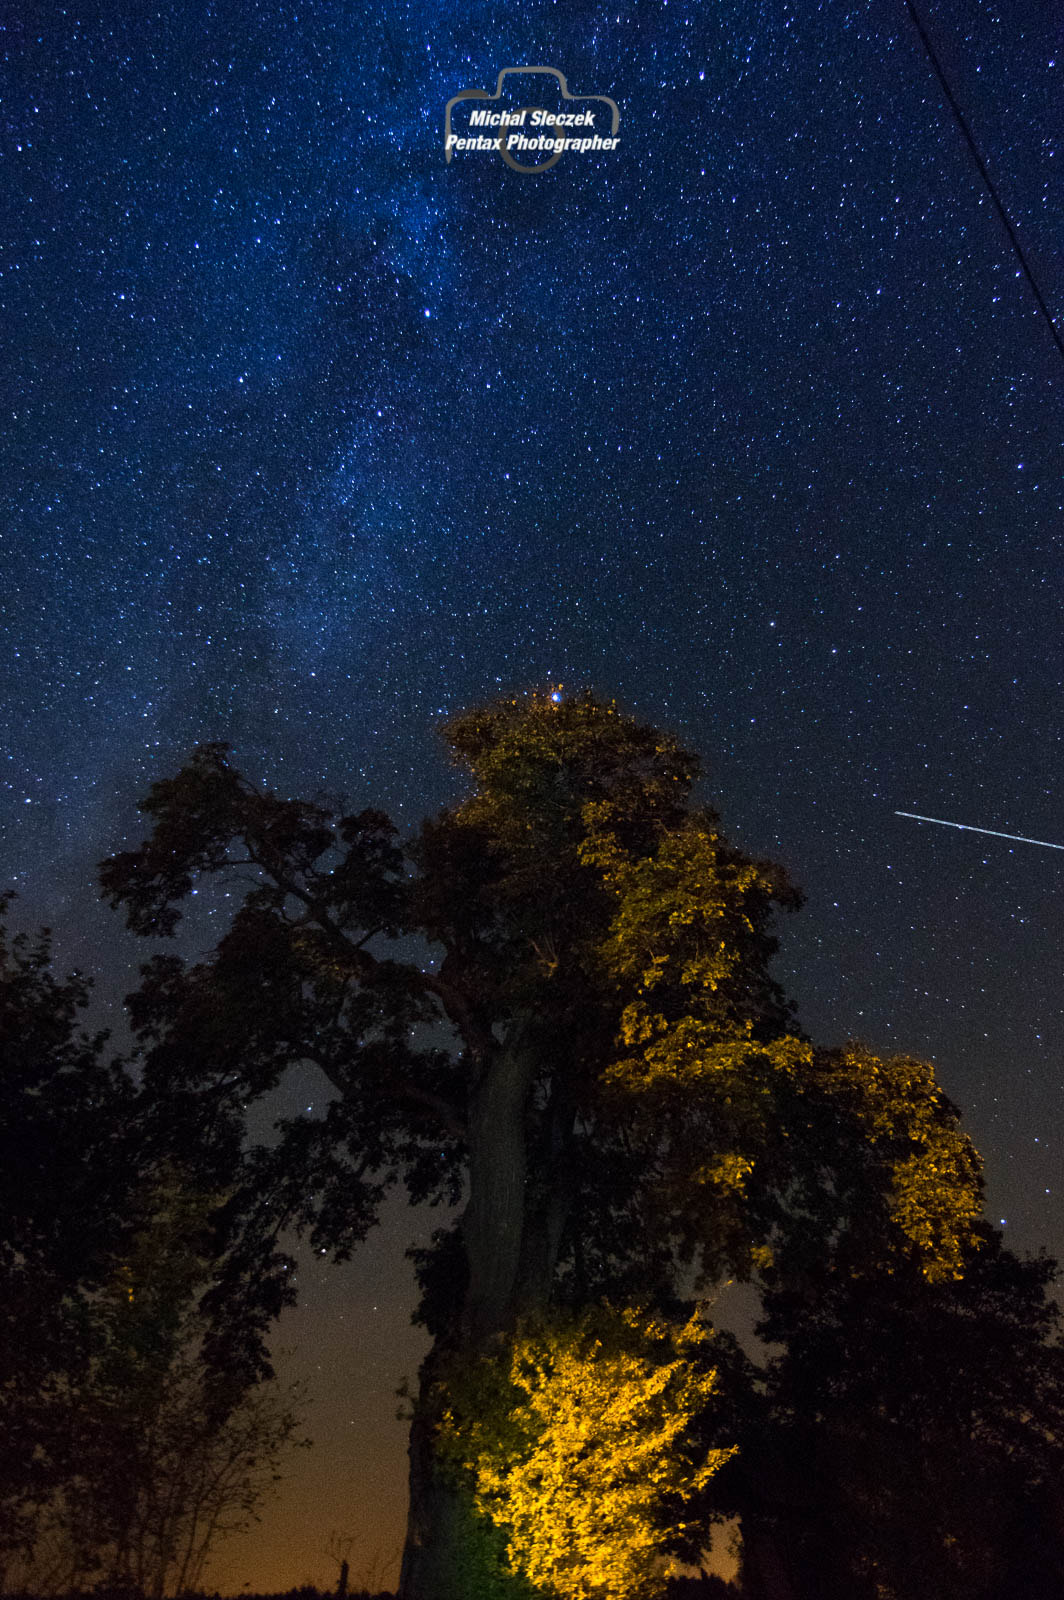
column 494, row 1218
column 432, row 1555
column 437, row 1555
column 546, row 1209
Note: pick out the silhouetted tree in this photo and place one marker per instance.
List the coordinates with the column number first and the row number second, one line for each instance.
column 68, row 1183
column 911, row 1438
column 338, row 1549
column 121, row 1400
column 553, row 1004
column 168, row 1454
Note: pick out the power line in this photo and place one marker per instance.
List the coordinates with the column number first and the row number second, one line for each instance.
column 987, row 179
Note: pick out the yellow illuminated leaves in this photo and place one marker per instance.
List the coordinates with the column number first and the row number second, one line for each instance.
column 677, row 910
column 727, row 1173
column 577, row 1442
column 691, row 1050
column 935, row 1171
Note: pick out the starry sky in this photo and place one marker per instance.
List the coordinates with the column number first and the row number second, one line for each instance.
column 310, row 437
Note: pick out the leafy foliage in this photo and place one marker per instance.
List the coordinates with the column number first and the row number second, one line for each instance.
column 554, row 1007
column 581, row 1444
column 168, row 1454
column 68, row 1180
column 913, row 1436
column 130, row 1311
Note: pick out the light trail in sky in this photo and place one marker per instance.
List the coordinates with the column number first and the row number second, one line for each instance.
column 966, row 827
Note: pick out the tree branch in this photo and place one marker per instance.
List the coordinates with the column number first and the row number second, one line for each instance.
column 407, row 1092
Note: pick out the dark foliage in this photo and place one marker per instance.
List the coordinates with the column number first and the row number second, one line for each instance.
column 909, row 1440
column 703, row 1588
column 556, row 1003
column 69, row 1176
column 110, row 1252
column 306, row 1592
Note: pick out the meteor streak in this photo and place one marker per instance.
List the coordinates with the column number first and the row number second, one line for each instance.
column 966, row 827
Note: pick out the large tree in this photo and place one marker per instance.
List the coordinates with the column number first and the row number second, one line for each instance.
column 553, row 1006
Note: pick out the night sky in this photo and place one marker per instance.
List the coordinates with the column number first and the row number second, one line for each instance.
column 310, row 437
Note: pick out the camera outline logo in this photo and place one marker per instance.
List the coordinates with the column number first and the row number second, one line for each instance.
column 516, row 119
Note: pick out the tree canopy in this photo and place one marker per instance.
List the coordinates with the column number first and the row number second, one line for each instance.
column 553, row 1008
column 67, row 1186
column 129, row 1413
column 168, row 1454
